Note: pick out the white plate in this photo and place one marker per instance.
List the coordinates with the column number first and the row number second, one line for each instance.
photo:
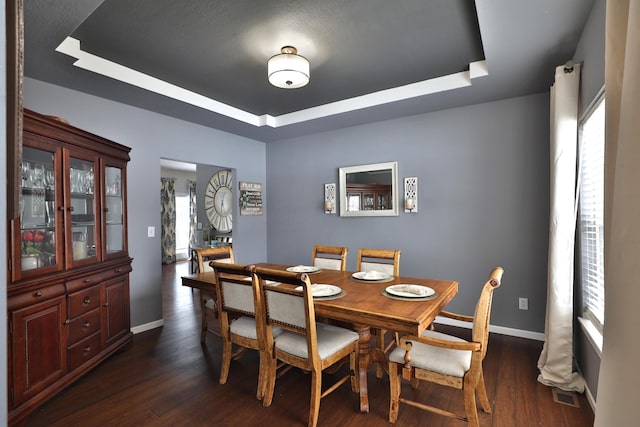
column 319, row 290
column 303, row 269
column 373, row 276
column 410, row 291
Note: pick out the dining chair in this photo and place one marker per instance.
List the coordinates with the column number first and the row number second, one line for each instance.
column 447, row 360
column 386, row 261
column 383, row 260
column 303, row 343
column 205, row 256
column 330, row 257
column 237, row 298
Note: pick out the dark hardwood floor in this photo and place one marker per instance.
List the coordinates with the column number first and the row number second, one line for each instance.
column 167, row 378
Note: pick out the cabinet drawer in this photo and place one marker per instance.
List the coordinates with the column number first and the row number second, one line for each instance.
column 83, row 326
column 83, row 351
column 84, row 301
column 34, row 297
column 94, row 279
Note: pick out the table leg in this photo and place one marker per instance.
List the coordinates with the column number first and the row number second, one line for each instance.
column 364, row 340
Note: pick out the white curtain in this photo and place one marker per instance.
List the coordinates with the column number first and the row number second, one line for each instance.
column 619, row 379
column 556, row 361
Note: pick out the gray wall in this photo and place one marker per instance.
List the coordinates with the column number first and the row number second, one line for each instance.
column 590, row 51
column 152, row 136
column 483, row 180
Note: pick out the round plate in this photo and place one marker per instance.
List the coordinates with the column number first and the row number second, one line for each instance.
column 303, row 269
column 371, row 276
column 405, row 290
column 321, row 290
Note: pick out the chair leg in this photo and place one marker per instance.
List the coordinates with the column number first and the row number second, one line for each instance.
column 226, row 361
column 380, row 344
column 394, row 387
column 269, row 379
column 470, row 406
column 316, row 393
column 482, row 395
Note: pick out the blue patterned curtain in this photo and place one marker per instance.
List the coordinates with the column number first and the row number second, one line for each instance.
column 193, row 214
column 168, row 219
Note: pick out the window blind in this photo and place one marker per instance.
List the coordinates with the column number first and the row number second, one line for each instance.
column 591, row 214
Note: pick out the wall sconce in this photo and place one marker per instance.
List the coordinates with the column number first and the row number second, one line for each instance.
column 411, row 194
column 330, row 198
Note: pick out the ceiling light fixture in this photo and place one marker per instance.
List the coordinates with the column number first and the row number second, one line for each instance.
column 288, row 70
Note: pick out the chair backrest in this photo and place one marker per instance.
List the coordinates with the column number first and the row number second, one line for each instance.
column 482, row 314
column 219, row 254
column 384, row 260
column 286, row 307
column 330, row 257
column 235, row 289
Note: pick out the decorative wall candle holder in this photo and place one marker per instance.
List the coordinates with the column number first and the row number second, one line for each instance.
column 330, row 198
column 411, row 194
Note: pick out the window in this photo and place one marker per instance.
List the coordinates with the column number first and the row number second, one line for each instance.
column 591, row 213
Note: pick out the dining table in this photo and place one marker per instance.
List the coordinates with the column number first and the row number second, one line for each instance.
column 366, row 304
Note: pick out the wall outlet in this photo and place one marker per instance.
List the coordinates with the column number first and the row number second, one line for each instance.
column 523, row 303
column 151, row 231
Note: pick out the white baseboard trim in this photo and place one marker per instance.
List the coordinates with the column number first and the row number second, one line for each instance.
column 147, row 326
column 521, row 333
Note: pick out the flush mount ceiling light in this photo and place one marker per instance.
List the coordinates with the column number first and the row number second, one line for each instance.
column 288, row 70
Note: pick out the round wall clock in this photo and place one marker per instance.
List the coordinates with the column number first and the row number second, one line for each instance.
column 218, row 200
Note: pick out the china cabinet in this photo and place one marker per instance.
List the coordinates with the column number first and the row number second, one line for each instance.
column 68, row 285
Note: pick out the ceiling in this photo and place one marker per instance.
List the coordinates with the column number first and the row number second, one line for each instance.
column 204, row 61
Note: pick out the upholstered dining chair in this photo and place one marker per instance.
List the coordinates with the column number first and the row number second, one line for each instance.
column 385, row 261
column 237, row 298
column 204, row 257
column 330, row 257
column 303, row 343
column 447, row 360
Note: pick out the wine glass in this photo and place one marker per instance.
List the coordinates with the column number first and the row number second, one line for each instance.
column 49, row 178
column 26, row 168
column 38, row 176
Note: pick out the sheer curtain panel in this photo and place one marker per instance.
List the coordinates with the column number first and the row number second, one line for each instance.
column 556, row 360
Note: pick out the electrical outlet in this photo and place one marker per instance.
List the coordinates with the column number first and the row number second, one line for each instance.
column 151, row 231
column 523, row 303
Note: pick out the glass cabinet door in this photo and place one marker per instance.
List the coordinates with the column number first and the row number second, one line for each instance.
column 39, row 223
column 113, row 209
column 81, row 211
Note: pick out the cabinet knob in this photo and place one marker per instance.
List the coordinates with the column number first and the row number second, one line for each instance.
column 86, row 325
column 66, row 322
column 86, row 301
column 61, row 208
column 118, row 270
column 87, row 280
column 86, row 350
column 37, row 294
column 106, row 304
column 106, row 209
column 70, row 209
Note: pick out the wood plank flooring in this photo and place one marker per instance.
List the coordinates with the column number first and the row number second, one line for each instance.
column 167, row 378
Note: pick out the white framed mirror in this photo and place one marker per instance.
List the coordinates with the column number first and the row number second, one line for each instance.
column 369, row 190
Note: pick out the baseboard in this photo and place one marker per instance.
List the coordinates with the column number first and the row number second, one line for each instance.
column 538, row 336
column 147, row 326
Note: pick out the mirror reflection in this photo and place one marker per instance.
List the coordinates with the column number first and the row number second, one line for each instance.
column 369, row 190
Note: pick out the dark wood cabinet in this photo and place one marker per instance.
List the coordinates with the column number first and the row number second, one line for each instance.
column 68, row 287
column 368, row 197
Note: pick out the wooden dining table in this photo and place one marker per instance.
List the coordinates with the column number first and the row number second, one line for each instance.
column 365, row 305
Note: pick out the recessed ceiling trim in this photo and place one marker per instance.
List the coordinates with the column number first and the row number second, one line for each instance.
column 85, row 60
